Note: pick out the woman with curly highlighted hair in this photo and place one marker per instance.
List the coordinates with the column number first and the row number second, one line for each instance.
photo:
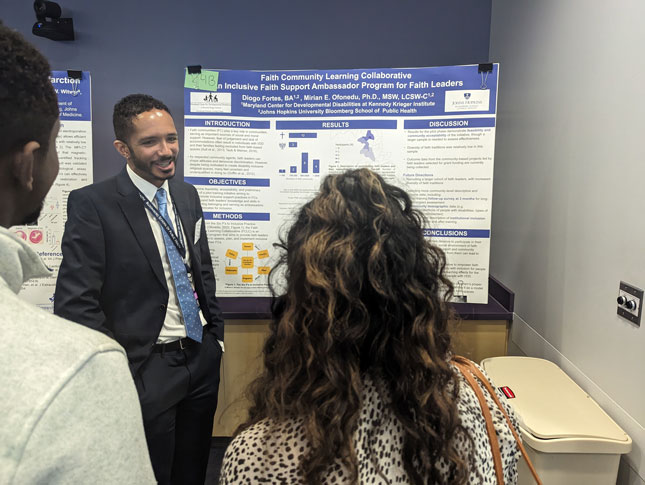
column 357, row 384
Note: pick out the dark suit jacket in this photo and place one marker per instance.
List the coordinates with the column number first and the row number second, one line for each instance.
column 111, row 278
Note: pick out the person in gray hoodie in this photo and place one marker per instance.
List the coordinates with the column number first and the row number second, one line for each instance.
column 69, row 412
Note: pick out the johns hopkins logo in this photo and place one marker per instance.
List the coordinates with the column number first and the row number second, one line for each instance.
column 466, row 100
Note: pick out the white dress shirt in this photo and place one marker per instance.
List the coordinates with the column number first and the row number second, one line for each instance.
column 173, row 325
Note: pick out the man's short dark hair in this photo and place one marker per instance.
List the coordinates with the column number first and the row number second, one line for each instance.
column 28, row 102
column 129, row 107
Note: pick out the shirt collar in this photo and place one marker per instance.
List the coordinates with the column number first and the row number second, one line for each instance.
column 146, row 188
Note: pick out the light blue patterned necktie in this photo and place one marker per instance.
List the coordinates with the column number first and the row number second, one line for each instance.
column 185, row 294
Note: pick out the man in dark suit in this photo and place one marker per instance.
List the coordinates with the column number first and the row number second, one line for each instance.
column 136, row 266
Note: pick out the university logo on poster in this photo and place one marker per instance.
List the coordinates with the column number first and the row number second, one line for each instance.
column 464, row 100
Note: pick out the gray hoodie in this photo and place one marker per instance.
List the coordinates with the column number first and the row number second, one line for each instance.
column 69, row 411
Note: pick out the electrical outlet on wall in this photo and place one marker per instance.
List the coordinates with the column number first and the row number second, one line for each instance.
column 630, row 302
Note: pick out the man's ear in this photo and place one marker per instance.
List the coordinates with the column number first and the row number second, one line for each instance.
column 23, row 165
column 122, row 148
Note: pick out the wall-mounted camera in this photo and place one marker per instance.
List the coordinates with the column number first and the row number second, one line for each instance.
column 50, row 25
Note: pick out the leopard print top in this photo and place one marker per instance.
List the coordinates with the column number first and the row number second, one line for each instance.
column 270, row 452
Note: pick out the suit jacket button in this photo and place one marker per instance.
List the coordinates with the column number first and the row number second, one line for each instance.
column 162, row 307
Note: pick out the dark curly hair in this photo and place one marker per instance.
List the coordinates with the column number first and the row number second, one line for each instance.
column 129, row 107
column 28, row 102
column 365, row 295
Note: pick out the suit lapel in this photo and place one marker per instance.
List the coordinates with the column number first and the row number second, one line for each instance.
column 182, row 204
column 135, row 213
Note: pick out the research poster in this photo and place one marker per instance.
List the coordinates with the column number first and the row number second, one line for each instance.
column 74, row 147
column 258, row 143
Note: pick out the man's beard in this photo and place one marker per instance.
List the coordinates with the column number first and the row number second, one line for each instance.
column 33, row 217
column 144, row 167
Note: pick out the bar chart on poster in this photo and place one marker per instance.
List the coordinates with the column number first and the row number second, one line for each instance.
column 259, row 143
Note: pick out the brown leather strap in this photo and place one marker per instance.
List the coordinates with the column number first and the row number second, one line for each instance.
column 475, row 370
column 467, row 368
column 490, row 428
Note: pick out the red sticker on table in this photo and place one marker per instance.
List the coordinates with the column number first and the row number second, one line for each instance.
column 507, row 392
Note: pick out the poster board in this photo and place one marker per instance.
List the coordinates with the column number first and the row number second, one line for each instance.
column 74, row 147
column 258, row 143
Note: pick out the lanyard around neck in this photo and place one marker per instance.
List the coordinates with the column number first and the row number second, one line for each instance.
column 178, row 238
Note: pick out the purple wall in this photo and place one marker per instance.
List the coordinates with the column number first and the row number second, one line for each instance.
column 143, row 46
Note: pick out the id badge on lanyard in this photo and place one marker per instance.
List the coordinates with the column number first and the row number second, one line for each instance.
column 177, row 239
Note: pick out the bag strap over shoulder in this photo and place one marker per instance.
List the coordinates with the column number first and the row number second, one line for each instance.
column 470, row 371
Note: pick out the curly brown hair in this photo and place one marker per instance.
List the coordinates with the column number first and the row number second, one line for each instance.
column 365, row 295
